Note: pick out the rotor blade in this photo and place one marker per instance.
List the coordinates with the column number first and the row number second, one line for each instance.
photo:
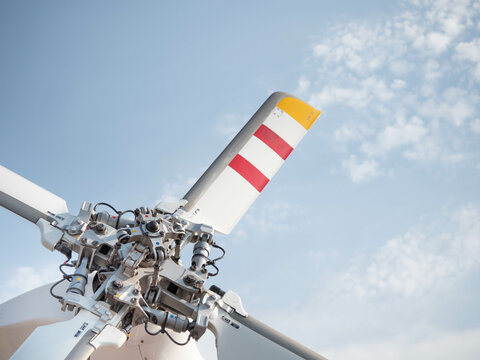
column 75, row 339
column 239, row 337
column 27, row 199
column 21, row 315
column 234, row 180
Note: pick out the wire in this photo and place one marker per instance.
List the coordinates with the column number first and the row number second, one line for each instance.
column 164, row 331
column 176, row 342
column 65, row 275
column 53, row 286
column 105, row 204
column 216, row 268
column 151, row 333
column 212, row 262
column 222, row 249
column 119, row 213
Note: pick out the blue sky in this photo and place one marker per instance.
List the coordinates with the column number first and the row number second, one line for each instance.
column 366, row 243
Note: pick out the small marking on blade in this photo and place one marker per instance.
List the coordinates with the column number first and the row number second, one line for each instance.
column 230, row 322
column 82, row 328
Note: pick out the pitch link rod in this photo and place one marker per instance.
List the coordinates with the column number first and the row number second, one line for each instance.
column 201, row 251
column 79, row 278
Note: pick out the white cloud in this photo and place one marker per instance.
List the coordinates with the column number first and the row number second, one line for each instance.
column 355, row 97
column 320, row 50
column 393, row 136
column 470, row 52
column 270, row 217
column 444, row 346
column 438, row 42
column 361, row 171
column 348, row 133
column 475, row 126
column 426, row 150
column 458, row 106
column 25, row 278
column 175, row 190
column 419, row 261
column 303, row 85
column 397, row 84
column 432, row 70
column 455, row 157
column 399, row 300
column 409, row 66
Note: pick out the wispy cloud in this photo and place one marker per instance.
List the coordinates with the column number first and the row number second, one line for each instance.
column 25, row 278
column 400, row 134
column 414, row 263
column 391, row 302
column 175, row 190
column 263, row 218
column 411, row 80
column 460, row 345
column 361, row 171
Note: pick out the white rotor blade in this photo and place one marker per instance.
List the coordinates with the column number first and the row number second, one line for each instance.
column 22, row 314
column 74, row 339
column 27, row 199
column 240, row 338
column 234, row 180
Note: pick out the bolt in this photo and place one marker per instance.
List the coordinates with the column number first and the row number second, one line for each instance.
column 153, row 226
column 101, row 228
column 95, row 243
column 136, row 291
column 133, row 300
column 83, row 241
column 117, row 284
column 189, row 279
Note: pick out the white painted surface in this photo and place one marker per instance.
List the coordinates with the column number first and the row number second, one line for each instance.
column 285, row 126
column 242, row 343
column 29, row 193
column 262, row 157
column 55, row 341
column 225, row 201
column 22, row 314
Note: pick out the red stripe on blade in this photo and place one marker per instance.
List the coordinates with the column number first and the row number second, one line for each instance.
column 249, row 172
column 275, row 142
